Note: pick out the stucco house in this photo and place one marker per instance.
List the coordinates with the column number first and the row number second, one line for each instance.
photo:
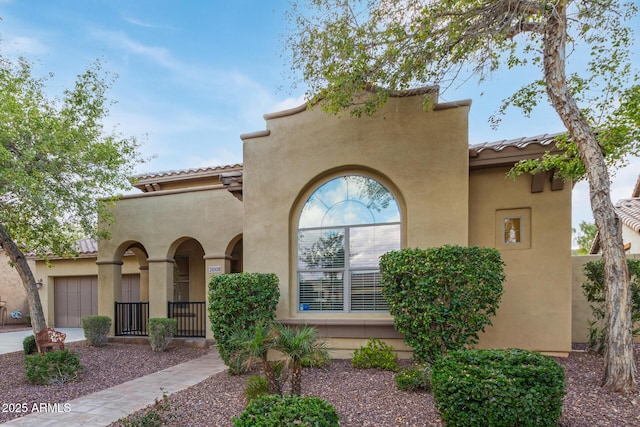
column 318, row 199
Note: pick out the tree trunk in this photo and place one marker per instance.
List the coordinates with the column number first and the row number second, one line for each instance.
column 19, row 261
column 296, row 379
column 619, row 369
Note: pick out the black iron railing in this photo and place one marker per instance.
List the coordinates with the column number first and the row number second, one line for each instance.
column 132, row 318
column 190, row 317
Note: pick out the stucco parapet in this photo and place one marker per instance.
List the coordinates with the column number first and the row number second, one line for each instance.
column 257, row 134
column 425, row 90
column 454, row 104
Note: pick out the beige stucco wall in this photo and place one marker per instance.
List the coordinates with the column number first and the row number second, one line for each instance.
column 581, row 312
column 12, row 291
column 422, row 157
column 535, row 311
column 633, row 238
column 160, row 222
column 85, row 266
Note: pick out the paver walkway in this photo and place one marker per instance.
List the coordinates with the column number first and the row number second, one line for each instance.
column 106, row 406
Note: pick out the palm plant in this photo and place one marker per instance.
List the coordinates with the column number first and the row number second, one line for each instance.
column 252, row 347
column 299, row 346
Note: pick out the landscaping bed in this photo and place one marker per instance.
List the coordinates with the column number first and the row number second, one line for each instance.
column 104, row 367
column 361, row 397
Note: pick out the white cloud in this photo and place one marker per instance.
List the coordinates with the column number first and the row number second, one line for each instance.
column 23, row 46
column 140, row 23
column 119, row 40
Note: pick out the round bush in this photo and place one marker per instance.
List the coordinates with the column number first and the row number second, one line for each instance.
column 288, row 410
column 376, row 354
column 96, row 329
column 441, row 298
column 498, row 388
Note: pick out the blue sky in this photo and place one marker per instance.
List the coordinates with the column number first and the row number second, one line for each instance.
column 195, row 75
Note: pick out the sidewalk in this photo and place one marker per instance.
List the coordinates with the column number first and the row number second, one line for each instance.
column 12, row 341
column 104, row 407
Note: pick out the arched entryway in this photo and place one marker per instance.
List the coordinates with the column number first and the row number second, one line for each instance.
column 187, row 302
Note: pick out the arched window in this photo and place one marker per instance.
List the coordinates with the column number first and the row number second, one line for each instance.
column 343, row 229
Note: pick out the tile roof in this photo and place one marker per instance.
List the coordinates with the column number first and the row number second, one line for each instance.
column 87, row 246
column 544, row 140
column 629, row 212
column 185, row 172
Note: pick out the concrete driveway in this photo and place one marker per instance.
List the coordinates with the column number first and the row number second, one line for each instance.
column 12, row 341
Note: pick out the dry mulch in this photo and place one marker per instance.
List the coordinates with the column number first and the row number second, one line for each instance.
column 361, row 397
column 371, row 398
column 104, row 367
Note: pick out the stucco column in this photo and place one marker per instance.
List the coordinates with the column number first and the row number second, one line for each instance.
column 144, row 283
column 160, row 286
column 109, row 288
column 215, row 264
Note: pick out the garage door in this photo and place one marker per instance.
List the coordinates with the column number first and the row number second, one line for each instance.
column 75, row 297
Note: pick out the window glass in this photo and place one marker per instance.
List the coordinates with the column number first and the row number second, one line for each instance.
column 343, row 229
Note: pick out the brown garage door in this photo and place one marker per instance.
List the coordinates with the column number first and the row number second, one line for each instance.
column 74, row 298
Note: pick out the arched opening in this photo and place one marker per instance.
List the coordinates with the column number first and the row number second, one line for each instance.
column 236, row 257
column 344, row 227
column 189, row 272
column 187, row 301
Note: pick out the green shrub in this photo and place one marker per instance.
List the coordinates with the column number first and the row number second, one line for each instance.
column 376, row 354
column 415, row 378
column 256, row 386
column 594, row 291
column 161, row 331
column 441, row 298
column 29, row 345
column 498, row 388
column 54, row 367
column 239, row 301
column 96, row 329
column 289, row 410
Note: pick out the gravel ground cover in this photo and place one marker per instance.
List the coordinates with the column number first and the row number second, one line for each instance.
column 104, row 367
column 361, row 397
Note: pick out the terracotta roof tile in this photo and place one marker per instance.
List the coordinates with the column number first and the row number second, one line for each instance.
column 629, row 212
column 521, row 143
column 87, row 246
column 176, row 173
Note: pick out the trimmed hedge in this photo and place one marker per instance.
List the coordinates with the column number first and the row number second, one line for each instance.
column 237, row 302
column 96, row 329
column 288, row 410
column 441, row 298
column 500, row 388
